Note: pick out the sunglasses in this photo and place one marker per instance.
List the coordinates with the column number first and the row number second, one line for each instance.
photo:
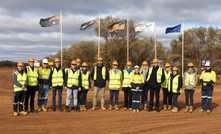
column 190, row 67
column 84, row 66
column 207, row 66
column 73, row 64
column 45, row 63
column 167, row 67
column 114, row 65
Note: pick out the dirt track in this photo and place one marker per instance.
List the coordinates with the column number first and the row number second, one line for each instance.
column 110, row 121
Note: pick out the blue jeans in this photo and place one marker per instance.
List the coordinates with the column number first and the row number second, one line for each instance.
column 136, row 99
column 112, row 92
column 18, row 97
column 83, row 97
column 207, row 99
column 54, row 95
column 43, row 91
column 144, row 94
column 175, row 102
column 74, row 93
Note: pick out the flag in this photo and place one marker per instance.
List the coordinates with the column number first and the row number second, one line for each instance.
column 52, row 21
column 89, row 24
column 144, row 26
column 117, row 26
column 175, row 29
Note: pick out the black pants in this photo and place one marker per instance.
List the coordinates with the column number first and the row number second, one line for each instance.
column 189, row 94
column 127, row 97
column 166, row 97
column 18, row 97
column 157, row 95
column 30, row 92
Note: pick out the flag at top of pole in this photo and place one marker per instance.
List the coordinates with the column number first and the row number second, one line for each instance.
column 51, row 21
column 175, row 29
column 144, row 26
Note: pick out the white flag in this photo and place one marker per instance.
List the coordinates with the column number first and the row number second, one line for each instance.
column 144, row 26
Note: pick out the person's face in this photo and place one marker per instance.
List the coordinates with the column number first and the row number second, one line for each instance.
column 31, row 63
column 73, row 66
column 167, row 68
column 190, row 68
column 99, row 62
column 44, row 65
column 84, row 68
column 20, row 68
column 137, row 70
column 78, row 63
column 144, row 66
column 128, row 66
column 57, row 64
column 114, row 66
column 207, row 68
column 155, row 64
column 174, row 72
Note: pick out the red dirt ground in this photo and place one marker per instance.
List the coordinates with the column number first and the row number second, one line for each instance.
column 110, row 121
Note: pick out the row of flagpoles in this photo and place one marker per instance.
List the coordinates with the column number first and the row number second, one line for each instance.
column 139, row 26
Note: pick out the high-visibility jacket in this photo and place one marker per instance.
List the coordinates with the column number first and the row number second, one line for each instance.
column 167, row 75
column 137, row 79
column 44, row 74
column 21, row 79
column 57, row 77
column 127, row 78
column 207, row 76
column 159, row 74
column 115, row 79
column 103, row 72
column 190, row 79
column 85, row 80
column 73, row 78
column 175, row 84
column 32, row 76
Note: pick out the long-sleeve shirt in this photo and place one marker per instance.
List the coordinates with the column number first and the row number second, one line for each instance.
column 79, row 79
column 100, row 82
column 152, row 83
column 15, row 79
column 50, row 77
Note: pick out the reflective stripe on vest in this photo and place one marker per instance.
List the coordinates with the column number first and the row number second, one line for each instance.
column 85, row 81
column 103, row 72
column 165, row 83
column 206, row 76
column 21, row 79
column 127, row 78
column 175, row 83
column 190, row 79
column 73, row 78
column 57, row 77
column 32, row 76
column 137, row 79
column 115, row 79
column 159, row 74
column 44, row 74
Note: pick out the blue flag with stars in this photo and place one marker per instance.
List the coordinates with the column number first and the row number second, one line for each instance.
column 175, row 29
column 52, row 21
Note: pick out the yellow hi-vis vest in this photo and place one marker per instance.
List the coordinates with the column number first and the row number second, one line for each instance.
column 206, row 76
column 115, row 79
column 21, row 79
column 165, row 83
column 159, row 74
column 73, row 78
column 85, row 81
column 32, row 76
column 127, row 78
column 44, row 74
column 190, row 79
column 103, row 72
column 175, row 84
column 57, row 77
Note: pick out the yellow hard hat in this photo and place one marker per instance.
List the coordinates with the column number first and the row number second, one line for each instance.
column 78, row 60
column 84, row 64
column 20, row 64
column 73, row 62
column 175, row 69
column 190, row 64
column 145, row 63
column 100, row 59
column 155, row 60
column 129, row 63
column 31, row 59
column 115, row 63
column 56, row 60
column 167, row 65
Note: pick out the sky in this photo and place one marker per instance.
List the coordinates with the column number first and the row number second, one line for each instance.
column 21, row 36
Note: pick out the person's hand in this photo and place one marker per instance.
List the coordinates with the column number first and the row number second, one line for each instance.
column 50, row 87
column 79, row 89
column 137, row 88
column 204, row 84
column 65, row 88
column 23, row 87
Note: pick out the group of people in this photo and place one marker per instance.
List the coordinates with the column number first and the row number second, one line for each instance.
column 135, row 83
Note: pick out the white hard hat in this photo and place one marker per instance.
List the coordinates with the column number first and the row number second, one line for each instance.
column 136, row 67
column 207, row 64
column 45, row 61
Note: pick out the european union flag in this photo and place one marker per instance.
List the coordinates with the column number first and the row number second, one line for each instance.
column 175, row 29
column 52, row 21
column 88, row 24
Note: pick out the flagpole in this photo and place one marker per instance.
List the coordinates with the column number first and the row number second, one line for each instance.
column 99, row 32
column 127, row 40
column 61, row 38
column 183, row 49
column 155, row 40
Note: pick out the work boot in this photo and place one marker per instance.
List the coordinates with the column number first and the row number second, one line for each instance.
column 145, row 107
column 116, row 107
column 67, row 109
column 150, row 109
column 169, row 107
column 134, row 110
column 186, row 110
column 84, row 108
column 141, row 106
column 130, row 108
column 94, row 107
column 72, row 108
column 125, row 108
column 208, row 111
column 138, row 110
column 44, row 108
column 103, row 108
column 175, row 110
column 81, row 108
column 15, row 114
column 33, row 111
column 60, row 109
column 53, row 109
column 76, row 109
column 165, row 107
column 191, row 109
column 23, row 113
column 201, row 110
column 157, row 110
column 110, row 107
column 39, row 108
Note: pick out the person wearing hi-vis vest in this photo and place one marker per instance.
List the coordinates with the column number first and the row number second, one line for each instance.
column 72, row 85
column 166, row 94
column 155, row 77
column 114, row 84
column 78, row 61
column 32, row 74
column 20, row 82
column 207, row 79
column 57, row 78
column 86, row 85
column 126, row 86
column 137, row 83
column 43, row 90
column 100, row 76
column 190, row 80
column 175, row 84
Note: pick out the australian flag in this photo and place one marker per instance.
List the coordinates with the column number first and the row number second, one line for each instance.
column 52, row 21
column 89, row 24
column 175, row 29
